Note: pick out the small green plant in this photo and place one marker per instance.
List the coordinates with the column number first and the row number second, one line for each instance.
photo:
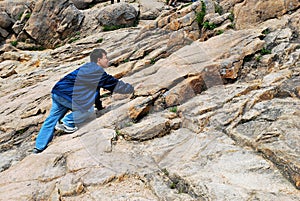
column 265, row 51
column 112, row 27
column 127, row 124
column 200, row 15
column 258, row 58
column 173, row 185
column 27, row 16
column 266, row 31
column 218, row 9
column 219, row 32
column 231, row 16
column 14, row 43
column 100, row 40
column 152, row 61
column 126, row 60
column 74, row 39
column 20, row 16
column 248, row 58
column 118, row 132
column 165, row 171
column 210, row 26
column 173, row 109
column 231, row 26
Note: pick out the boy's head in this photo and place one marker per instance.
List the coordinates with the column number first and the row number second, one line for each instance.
column 99, row 56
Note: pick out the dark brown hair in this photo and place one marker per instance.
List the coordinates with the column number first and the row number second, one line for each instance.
column 97, row 53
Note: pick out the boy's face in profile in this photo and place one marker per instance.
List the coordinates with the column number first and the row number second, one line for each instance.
column 103, row 62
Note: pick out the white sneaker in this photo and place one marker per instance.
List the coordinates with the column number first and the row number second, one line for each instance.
column 64, row 128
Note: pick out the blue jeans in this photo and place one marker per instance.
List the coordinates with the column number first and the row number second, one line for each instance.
column 60, row 107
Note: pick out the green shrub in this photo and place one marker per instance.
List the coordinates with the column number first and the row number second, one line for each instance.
column 173, row 109
column 152, row 61
column 14, row 43
column 219, row 32
column 231, row 17
column 218, row 9
column 265, row 51
column 210, row 26
column 20, row 16
column 74, row 39
column 232, row 26
column 27, row 16
column 200, row 15
column 112, row 27
column 266, row 31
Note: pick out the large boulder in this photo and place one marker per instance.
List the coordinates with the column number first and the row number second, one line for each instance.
column 249, row 13
column 53, row 21
column 5, row 20
column 150, row 9
column 84, row 4
column 121, row 14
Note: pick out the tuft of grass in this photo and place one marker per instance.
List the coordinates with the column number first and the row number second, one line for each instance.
column 74, row 39
column 231, row 16
column 152, row 61
column 258, row 58
column 218, row 9
column 266, row 31
column 265, row 51
column 118, row 132
column 14, row 43
column 173, row 185
column 165, row 171
column 27, row 16
column 232, row 26
column 112, row 27
column 200, row 15
column 210, row 26
column 100, row 40
column 128, row 124
column 174, row 109
column 248, row 58
column 20, row 16
column 219, row 32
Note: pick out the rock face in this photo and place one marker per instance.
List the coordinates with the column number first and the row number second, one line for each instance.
column 215, row 118
column 249, row 13
column 117, row 15
column 53, row 20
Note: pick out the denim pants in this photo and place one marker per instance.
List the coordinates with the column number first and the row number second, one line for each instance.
column 60, row 107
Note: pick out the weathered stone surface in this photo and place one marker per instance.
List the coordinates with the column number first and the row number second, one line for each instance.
column 56, row 21
column 196, row 137
column 249, row 13
column 216, row 60
column 150, row 10
column 84, row 4
column 117, row 15
column 156, row 126
column 5, row 20
column 206, row 166
column 274, row 139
